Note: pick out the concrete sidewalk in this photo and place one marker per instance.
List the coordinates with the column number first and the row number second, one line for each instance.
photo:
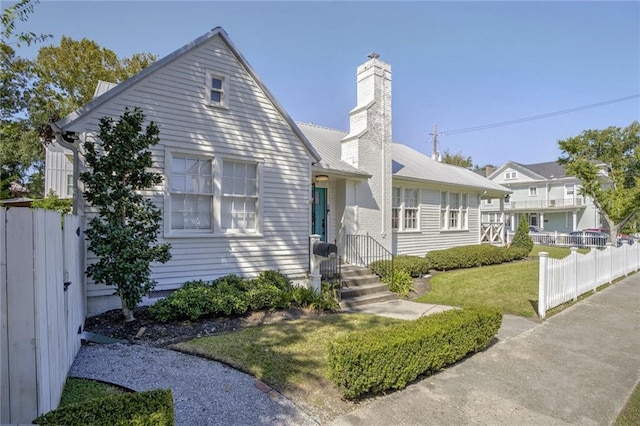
column 577, row 367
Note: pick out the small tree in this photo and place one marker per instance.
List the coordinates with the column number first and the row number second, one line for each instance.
column 522, row 238
column 124, row 233
column 607, row 162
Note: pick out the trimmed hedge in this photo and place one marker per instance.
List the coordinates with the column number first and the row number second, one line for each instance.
column 390, row 357
column 415, row 266
column 152, row 408
column 472, row 256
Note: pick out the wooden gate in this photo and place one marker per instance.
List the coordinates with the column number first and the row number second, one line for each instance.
column 42, row 309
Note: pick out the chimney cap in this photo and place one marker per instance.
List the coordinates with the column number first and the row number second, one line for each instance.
column 373, row 55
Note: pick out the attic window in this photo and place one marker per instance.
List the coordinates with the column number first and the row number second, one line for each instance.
column 216, row 94
column 511, row 175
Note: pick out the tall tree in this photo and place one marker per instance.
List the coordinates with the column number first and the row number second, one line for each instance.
column 124, row 232
column 457, row 159
column 607, row 162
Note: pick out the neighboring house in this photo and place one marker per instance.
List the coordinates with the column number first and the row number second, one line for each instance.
column 544, row 194
column 245, row 185
column 58, row 173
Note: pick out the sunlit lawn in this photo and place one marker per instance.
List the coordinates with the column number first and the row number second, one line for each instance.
column 80, row 390
column 630, row 415
column 290, row 356
column 511, row 287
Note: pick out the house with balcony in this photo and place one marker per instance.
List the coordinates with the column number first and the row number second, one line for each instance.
column 545, row 194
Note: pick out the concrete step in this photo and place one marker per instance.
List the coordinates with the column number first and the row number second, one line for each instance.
column 362, row 290
column 349, row 271
column 360, row 280
column 368, row 299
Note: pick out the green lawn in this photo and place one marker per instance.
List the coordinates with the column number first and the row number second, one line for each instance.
column 630, row 415
column 290, row 356
column 511, row 287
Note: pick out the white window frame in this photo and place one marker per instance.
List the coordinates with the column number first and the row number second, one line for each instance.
column 454, row 219
column 216, row 229
column 401, row 214
column 70, row 185
column 569, row 191
column 512, row 174
column 223, row 90
column 533, row 191
column 237, row 197
column 488, row 201
column 170, row 157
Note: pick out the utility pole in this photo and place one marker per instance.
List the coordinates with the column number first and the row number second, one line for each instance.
column 435, row 155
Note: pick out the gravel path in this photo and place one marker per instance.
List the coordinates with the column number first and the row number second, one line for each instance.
column 204, row 392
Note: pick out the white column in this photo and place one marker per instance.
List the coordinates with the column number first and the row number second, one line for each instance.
column 575, row 220
column 314, row 267
column 542, row 284
column 542, row 220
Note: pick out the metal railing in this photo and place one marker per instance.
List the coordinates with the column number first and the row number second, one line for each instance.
column 331, row 269
column 363, row 250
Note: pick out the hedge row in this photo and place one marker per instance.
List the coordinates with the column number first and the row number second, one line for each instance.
column 472, row 256
column 390, row 357
column 152, row 408
column 415, row 266
column 233, row 295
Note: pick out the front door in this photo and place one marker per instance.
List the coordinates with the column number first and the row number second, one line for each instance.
column 319, row 213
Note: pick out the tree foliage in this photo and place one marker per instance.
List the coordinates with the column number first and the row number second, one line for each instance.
column 607, row 162
column 53, row 202
column 123, row 234
column 34, row 92
column 457, row 159
column 522, row 238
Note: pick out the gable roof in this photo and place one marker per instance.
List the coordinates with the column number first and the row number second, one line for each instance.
column 411, row 164
column 327, row 142
column 548, row 170
column 538, row 171
column 110, row 93
column 406, row 162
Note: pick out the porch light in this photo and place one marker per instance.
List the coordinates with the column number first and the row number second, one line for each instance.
column 321, row 178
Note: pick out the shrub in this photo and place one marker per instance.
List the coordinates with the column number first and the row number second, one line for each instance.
column 141, row 409
column 415, row 266
column 53, row 202
column 400, row 282
column 472, row 256
column 522, row 238
column 271, row 290
column 390, row 357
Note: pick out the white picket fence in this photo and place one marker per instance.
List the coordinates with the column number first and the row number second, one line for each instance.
column 562, row 280
column 42, row 309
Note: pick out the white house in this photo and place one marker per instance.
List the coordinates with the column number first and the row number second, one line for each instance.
column 245, row 185
column 544, row 194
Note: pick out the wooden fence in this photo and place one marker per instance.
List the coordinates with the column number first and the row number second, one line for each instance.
column 42, row 309
column 562, row 280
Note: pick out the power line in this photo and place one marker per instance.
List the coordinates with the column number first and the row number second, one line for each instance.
column 538, row 117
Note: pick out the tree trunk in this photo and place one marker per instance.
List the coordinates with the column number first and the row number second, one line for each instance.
column 126, row 312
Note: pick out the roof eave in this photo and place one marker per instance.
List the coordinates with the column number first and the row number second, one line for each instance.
column 490, row 191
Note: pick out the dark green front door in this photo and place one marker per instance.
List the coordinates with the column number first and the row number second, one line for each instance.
column 319, row 213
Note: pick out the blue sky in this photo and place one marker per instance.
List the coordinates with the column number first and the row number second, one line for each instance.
column 457, row 64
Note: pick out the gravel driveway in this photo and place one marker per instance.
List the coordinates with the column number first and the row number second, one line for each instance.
column 204, row 392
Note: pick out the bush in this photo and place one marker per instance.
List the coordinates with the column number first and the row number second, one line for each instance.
column 53, row 202
column 152, row 408
column 522, row 238
column 415, row 266
column 271, row 290
column 400, row 282
column 472, row 256
column 324, row 300
column 390, row 357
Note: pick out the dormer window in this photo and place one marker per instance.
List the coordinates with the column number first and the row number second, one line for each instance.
column 216, row 94
column 511, row 175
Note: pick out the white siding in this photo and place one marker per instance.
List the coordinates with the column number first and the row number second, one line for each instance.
column 57, row 168
column 174, row 97
column 430, row 236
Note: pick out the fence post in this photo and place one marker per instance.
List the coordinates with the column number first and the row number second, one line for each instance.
column 625, row 250
column 543, row 282
column 609, row 250
column 574, row 270
column 595, row 271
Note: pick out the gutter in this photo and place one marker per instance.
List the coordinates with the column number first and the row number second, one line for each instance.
column 69, row 140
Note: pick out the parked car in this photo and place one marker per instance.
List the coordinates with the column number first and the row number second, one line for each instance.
column 587, row 238
column 621, row 237
column 540, row 236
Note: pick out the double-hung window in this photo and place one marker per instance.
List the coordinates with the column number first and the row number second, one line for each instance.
column 216, row 90
column 405, row 204
column 533, row 191
column 396, row 207
column 239, row 209
column 453, row 211
column 191, row 192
